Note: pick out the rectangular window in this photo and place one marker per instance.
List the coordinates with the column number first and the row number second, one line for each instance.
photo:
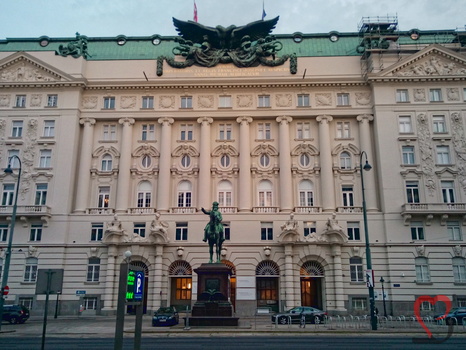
column 109, row 102
column 49, row 128
column 303, row 100
column 104, row 197
column 52, row 100
column 264, row 101
column 353, row 231
column 224, row 101
column 12, row 161
column 184, row 199
column 3, row 235
column 265, row 198
column 144, row 199
column 264, row 131
column 443, row 155
column 435, row 95
column 343, row 100
column 183, row 288
column 343, row 130
column 148, row 132
column 439, row 125
column 422, row 270
column 147, row 102
column 41, row 194
column 303, row 130
column 402, row 95
column 186, row 102
column 408, row 155
column 356, row 270
column 348, row 196
column 26, row 302
column 93, row 270
column 8, row 194
column 306, row 198
column 181, row 233
column 224, row 198
column 90, row 303
column 20, row 101
column 454, row 231
column 109, row 132
column 427, row 306
column 226, row 231
column 30, row 272
column 45, row 159
column 97, row 231
column 309, row 228
column 224, row 131
column 186, row 132
column 412, row 191
column 267, row 231
column 359, row 303
column 417, row 231
column 405, row 124
column 17, row 129
column 448, row 191
column 36, row 232
column 459, row 270
column 140, row 229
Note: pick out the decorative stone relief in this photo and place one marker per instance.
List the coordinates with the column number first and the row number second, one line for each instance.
column 459, row 145
column 36, row 100
column 427, row 162
column 128, row 102
column 90, row 102
column 206, row 101
column 166, row 102
column 363, row 98
column 283, row 100
column 323, row 99
column 419, row 95
column 433, row 65
column 22, row 71
column 244, row 100
column 28, row 157
column 420, row 250
column 458, row 250
column 453, row 94
column 4, row 100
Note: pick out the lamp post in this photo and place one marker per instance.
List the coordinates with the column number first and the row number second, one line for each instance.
column 370, row 280
column 383, row 297
column 6, row 269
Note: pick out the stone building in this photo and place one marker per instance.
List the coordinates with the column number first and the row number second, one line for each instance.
column 123, row 140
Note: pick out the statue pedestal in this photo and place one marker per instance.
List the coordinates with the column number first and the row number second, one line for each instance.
column 212, row 308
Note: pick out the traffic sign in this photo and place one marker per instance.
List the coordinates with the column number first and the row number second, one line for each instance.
column 139, row 287
column 80, row 292
column 6, row 290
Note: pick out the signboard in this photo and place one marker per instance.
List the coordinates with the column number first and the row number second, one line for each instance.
column 370, row 278
column 6, row 290
column 139, row 286
column 80, row 292
column 53, row 276
column 134, row 285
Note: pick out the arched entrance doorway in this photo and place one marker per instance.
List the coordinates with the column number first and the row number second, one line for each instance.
column 267, row 273
column 180, row 273
column 232, row 282
column 130, row 308
column 312, row 276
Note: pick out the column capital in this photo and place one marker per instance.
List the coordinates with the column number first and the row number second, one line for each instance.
column 244, row 120
column 89, row 121
column 166, row 121
column 365, row 117
column 324, row 118
column 205, row 120
column 126, row 121
column 284, row 120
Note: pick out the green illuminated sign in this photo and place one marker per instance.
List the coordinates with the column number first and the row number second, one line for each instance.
column 130, row 285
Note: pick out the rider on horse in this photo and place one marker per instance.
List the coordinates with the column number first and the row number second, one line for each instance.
column 213, row 231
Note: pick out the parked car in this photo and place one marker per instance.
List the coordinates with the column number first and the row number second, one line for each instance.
column 311, row 314
column 165, row 316
column 455, row 316
column 15, row 313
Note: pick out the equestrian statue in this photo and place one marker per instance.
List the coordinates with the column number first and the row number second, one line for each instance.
column 213, row 232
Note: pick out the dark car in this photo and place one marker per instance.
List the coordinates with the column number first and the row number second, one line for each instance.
column 15, row 313
column 165, row 316
column 311, row 314
column 455, row 316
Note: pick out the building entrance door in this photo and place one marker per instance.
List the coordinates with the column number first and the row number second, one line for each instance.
column 311, row 292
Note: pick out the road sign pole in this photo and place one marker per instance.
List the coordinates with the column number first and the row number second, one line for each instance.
column 120, row 320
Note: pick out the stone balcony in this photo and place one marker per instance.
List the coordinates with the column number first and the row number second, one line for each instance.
column 27, row 212
column 429, row 210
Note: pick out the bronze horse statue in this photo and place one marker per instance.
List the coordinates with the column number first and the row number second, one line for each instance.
column 213, row 232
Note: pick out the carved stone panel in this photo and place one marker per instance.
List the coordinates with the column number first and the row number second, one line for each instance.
column 167, row 102
column 323, row 99
column 89, row 102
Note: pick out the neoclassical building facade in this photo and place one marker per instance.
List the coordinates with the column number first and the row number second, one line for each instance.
column 121, row 148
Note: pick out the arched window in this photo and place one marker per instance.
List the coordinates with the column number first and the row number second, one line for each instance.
column 144, row 194
column 306, row 194
column 146, row 161
column 345, row 160
column 185, row 161
column 265, row 193
column 184, row 194
column 312, row 269
column 459, row 269
column 225, row 161
column 224, row 193
column 180, row 268
column 267, row 268
column 106, row 162
column 264, row 160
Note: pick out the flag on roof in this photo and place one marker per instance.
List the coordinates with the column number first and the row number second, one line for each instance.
column 195, row 12
column 263, row 11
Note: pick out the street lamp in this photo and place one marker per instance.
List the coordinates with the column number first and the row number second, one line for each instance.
column 383, row 297
column 370, row 280
column 6, row 269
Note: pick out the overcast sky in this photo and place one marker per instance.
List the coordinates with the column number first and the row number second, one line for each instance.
column 109, row 18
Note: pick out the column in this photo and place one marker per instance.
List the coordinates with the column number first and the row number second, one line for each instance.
column 327, row 185
column 110, row 279
column 290, row 292
column 84, row 178
column 286, row 194
column 365, row 144
column 163, row 183
column 244, row 188
column 157, row 278
column 204, row 164
column 124, row 174
column 338, row 279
